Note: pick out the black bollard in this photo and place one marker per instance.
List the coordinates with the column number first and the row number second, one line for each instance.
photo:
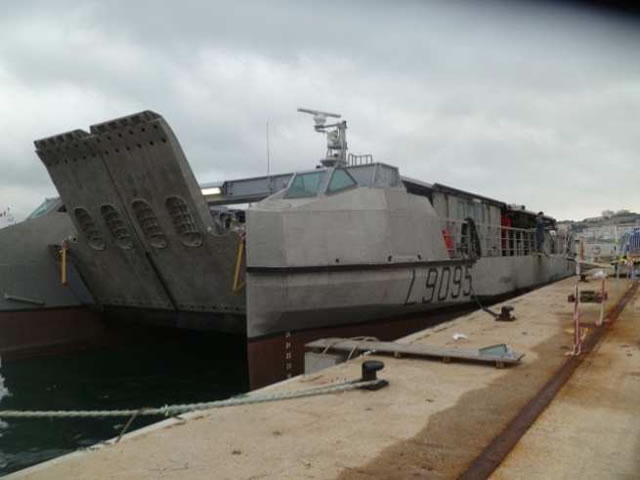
column 370, row 370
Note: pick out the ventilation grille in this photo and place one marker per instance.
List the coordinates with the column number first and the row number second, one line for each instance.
column 89, row 228
column 148, row 223
column 183, row 222
column 117, row 227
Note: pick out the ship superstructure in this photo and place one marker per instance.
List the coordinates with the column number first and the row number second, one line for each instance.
column 344, row 244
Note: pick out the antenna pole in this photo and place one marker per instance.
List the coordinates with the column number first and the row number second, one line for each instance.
column 268, row 154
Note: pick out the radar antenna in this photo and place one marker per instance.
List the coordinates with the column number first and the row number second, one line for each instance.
column 336, row 137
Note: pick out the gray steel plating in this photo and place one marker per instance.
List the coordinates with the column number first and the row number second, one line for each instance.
column 334, row 245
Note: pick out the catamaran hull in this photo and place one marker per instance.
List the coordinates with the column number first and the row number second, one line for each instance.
column 233, row 324
column 285, row 300
column 27, row 333
column 338, row 248
column 38, row 313
column 295, row 308
column 275, row 357
column 292, row 299
column 496, row 276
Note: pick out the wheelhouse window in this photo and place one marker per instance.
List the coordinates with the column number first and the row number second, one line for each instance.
column 305, row 185
column 340, row 180
column 42, row 208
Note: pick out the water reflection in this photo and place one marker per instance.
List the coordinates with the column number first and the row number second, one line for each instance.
column 187, row 367
column 4, row 392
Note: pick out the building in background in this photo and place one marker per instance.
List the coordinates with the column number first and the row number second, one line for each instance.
column 6, row 217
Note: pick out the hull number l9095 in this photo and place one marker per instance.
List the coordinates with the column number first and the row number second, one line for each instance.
column 439, row 284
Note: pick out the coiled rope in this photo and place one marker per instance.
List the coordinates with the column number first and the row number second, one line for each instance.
column 169, row 410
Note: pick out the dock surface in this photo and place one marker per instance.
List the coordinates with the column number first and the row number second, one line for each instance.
column 432, row 421
column 592, row 428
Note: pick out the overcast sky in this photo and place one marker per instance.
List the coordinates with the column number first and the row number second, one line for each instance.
column 527, row 103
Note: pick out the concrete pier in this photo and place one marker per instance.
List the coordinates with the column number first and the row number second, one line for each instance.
column 434, row 420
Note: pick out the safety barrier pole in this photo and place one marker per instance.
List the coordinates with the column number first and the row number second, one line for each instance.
column 602, row 301
column 618, row 276
column 577, row 334
column 580, row 258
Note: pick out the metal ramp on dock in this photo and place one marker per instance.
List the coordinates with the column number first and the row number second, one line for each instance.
column 500, row 355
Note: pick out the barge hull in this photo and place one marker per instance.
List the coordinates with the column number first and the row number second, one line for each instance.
column 276, row 357
column 25, row 334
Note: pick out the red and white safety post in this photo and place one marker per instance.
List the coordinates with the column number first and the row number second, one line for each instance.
column 577, row 333
column 603, row 298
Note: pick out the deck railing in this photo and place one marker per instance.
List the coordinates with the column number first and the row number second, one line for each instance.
column 496, row 240
column 355, row 160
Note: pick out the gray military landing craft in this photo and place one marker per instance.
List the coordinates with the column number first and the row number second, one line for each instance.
column 348, row 247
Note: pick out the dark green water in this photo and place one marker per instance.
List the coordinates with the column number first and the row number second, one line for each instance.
column 184, row 368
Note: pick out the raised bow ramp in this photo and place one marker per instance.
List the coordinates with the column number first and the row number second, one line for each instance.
column 147, row 238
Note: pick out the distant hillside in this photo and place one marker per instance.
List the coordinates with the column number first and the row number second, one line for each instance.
column 608, row 217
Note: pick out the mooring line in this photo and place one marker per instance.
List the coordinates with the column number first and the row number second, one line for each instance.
column 169, row 410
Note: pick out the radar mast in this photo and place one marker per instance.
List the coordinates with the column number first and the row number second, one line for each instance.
column 336, row 133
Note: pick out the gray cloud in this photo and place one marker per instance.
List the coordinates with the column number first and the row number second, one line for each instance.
column 532, row 105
